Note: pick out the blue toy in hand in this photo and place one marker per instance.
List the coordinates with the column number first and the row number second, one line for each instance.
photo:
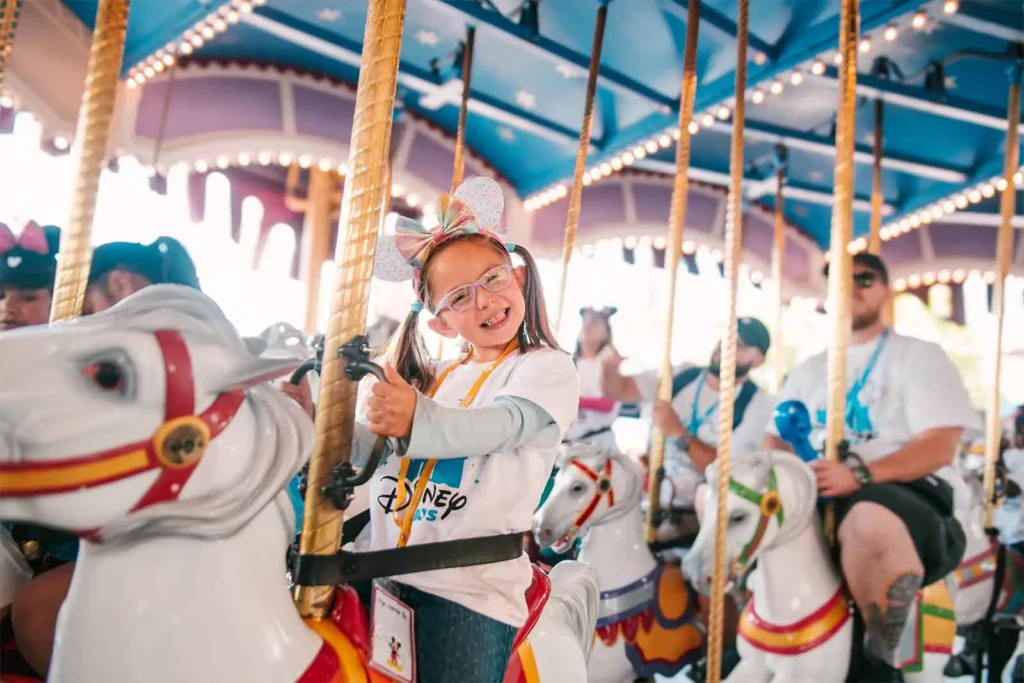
column 793, row 421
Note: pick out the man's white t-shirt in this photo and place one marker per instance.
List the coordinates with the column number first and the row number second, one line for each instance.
column 913, row 387
column 747, row 437
column 487, row 494
column 591, row 421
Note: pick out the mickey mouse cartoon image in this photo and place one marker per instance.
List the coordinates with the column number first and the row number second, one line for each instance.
column 396, row 647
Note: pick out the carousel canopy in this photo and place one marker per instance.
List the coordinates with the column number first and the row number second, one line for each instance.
column 288, row 67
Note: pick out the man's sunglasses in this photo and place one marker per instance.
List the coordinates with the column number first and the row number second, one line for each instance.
column 865, row 279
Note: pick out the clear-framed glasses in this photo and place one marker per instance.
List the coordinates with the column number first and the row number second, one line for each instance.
column 461, row 298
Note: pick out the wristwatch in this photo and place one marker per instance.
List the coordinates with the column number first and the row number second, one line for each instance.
column 860, row 471
column 683, row 443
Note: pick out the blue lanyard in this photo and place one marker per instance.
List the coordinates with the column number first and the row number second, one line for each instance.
column 697, row 422
column 853, row 395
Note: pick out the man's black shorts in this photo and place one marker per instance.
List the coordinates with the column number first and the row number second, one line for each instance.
column 938, row 536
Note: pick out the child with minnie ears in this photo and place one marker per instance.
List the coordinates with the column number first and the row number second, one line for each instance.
column 477, row 438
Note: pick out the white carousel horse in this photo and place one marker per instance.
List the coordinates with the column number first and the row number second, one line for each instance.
column 150, row 430
column 797, row 626
column 647, row 623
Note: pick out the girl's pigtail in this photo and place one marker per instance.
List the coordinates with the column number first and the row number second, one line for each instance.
column 408, row 354
column 536, row 329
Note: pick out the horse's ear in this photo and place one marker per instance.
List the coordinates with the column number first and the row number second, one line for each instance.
column 255, row 370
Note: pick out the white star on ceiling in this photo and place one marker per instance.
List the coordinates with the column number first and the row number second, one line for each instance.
column 817, row 175
column 568, row 71
column 869, row 138
column 951, row 83
column 506, row 134
column 426, row 38
column 328, row 14
column 525, row 99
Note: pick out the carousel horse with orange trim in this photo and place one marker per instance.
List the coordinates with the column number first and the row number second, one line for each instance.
column 797, row 626
column 151, row 432
column 647, row 621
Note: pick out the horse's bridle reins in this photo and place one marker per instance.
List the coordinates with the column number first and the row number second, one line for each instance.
column 174, row 450
column 603, row 482
column 770, row 505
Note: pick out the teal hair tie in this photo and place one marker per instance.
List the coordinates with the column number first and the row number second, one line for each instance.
column 416, row 307
column 511, row 246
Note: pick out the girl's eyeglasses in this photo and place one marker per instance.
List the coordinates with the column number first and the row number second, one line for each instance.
column 865, row 279
column 462, row 298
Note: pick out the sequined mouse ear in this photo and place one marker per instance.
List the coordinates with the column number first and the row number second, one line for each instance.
column 388, row 263
column 485, row 199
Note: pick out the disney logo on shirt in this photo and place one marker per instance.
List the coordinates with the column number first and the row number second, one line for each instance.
column 441, row 497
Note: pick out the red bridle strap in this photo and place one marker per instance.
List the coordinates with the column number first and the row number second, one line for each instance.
column 604, row 487
column 175, row 449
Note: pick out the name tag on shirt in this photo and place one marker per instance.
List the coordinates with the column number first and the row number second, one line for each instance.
column 392, row 641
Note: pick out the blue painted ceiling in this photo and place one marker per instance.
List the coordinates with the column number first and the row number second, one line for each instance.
column 945, row 97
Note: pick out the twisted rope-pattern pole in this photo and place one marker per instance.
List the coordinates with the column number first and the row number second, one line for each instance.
column 778, row 256
column 9, row 11
column 361, row 210
column 460, row 135
column 1004, row 256
column 572, row 217
column 673, row 254
column 90, row 153
column 727, row 388
column 840, row 281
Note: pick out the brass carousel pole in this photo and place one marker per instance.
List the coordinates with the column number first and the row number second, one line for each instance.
column 877, row 198
column 840, row 281
column 9, row 10
column 460, row 135
column 572, row 217
column 778, row 256
column 673, row 254
column 361, row 208
column 1004, row 251
column 90, row 153
column 727, row 380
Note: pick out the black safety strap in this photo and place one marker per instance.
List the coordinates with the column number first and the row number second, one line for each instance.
column 349, row 567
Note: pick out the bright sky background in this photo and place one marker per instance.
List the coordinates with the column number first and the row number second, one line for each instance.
column 36, row 185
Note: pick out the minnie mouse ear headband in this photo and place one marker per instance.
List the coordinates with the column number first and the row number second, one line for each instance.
column 606, row 312
column 29, row 261
column 474, row 209
column 165, row 261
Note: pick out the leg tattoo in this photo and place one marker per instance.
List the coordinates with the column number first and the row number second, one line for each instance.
column 884, row 621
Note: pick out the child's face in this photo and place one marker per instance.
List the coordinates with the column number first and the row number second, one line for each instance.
column 24, row 307
column 493, row 318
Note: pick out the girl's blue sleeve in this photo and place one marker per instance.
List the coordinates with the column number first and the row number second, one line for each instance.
column 444, row 432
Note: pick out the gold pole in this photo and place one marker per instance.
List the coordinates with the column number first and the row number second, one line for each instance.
column 361, row 208
column 90, row 152
column 1004, row 251
column 673, row 254
column 460, row 135
column 840, row 279
column 572, row 217
column 727, row 388
column 9, row 10
column 316, row 240
column 778, row 255
column 875, row 237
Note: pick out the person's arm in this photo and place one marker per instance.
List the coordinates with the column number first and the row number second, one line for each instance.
column 928, row 452
column 444, row 432
column 614, row 384
column 363, row 443
column 701, row 454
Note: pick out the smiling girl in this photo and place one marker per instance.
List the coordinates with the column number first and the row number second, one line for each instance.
column 477, row 437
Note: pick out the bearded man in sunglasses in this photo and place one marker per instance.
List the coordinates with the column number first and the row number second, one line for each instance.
column 907, row 410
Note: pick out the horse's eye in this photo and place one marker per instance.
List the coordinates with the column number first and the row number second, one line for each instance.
column 577, row 488
column 108, row 375
column 737, row 518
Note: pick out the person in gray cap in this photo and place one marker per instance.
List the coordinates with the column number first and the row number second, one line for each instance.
column 119, row 269
column 690, row 421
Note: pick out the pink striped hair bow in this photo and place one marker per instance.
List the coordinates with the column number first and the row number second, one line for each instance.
column 32, row 239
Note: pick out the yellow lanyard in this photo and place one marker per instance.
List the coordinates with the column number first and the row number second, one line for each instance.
column 409, row 515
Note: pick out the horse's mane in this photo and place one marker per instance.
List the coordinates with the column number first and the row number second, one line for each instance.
column 595, row 456
column 796, row 475
column 283, row 435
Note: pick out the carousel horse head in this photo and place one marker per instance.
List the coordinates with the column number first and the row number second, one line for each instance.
column 152, row 418
column 771, row 497
column 595, row 484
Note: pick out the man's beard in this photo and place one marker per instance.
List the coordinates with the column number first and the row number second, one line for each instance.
column 715, row 368
column 865, row 321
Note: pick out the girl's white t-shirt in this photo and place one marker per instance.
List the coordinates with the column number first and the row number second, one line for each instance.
column 590, row 421
column 912, row 388
column 487, row 494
